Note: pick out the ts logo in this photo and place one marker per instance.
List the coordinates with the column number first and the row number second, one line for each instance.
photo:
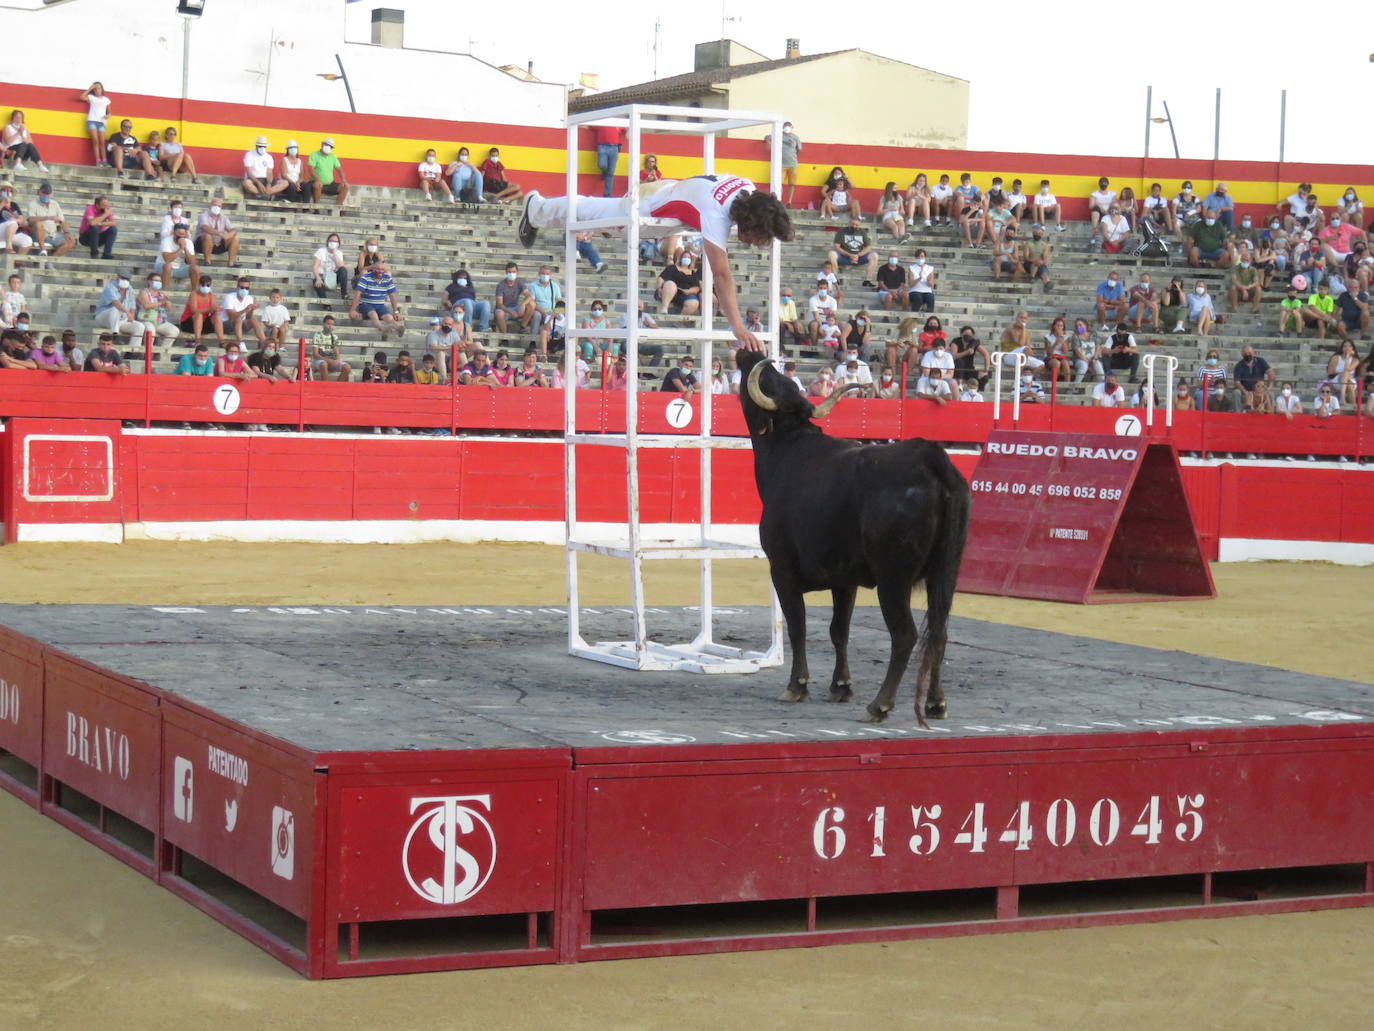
column 463, row 851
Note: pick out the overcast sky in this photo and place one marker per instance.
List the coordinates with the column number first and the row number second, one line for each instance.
column 1070, row 89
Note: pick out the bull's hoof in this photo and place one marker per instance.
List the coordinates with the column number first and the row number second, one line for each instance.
column 937, row 709
column 873, row 714
column 794, row 694
column 841, row 691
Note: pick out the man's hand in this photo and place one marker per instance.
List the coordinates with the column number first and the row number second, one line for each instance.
column 746, row 339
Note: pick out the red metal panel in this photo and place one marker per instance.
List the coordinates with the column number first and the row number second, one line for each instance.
column 64, row 470
column 21, row 696
column 101, row 735
column 459, row 841
column 240, row 803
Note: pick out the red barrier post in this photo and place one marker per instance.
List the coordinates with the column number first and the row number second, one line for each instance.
column 1202, row 432
column 904, row 372
column 302, row 371
column 453, row 389
column 147, row 379
column 605, row 365
column 1054, row 395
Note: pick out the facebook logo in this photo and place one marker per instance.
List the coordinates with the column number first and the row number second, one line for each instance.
column 183, row 788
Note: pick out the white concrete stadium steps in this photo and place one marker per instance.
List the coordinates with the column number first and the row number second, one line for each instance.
column 424, row 241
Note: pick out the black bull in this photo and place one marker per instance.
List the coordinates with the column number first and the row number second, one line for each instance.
column 840, row 515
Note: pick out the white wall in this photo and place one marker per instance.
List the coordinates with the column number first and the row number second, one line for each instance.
column 135, row 46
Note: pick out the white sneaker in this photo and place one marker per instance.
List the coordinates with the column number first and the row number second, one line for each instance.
column 1180, row 328
column 42, row 167
column 1058, row 229
column 18, row 165
column 927, row 221
column 599, row 266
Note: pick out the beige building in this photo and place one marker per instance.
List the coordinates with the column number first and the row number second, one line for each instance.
column 830, row 97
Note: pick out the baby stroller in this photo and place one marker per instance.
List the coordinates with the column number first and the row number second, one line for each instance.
column 1151, row 244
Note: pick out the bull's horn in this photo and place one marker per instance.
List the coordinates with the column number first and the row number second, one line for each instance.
column 756, row 392
column 823, row 409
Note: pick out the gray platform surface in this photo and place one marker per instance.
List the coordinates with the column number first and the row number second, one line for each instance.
column 397, row 678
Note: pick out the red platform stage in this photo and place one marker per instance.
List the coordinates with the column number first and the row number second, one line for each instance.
column 356, row 802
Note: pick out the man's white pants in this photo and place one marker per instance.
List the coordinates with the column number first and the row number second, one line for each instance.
column 552, row 212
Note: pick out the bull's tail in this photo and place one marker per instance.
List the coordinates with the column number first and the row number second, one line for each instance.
column 941, row 574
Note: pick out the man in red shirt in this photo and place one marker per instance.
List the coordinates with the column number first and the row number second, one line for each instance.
column 609, row 140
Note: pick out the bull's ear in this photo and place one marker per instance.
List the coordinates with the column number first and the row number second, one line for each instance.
column 766, row 426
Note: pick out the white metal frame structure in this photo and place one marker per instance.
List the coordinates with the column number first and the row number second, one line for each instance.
column 702, row 654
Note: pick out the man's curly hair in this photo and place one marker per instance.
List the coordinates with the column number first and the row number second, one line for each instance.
column 761, row 212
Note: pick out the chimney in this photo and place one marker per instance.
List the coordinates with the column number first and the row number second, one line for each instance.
column 388, row 27
column 793, row 49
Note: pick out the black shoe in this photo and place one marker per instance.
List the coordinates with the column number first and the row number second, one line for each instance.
column 527, row 233
column 868, row 283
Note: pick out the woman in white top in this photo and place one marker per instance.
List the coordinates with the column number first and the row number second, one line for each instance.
column 18, row 144
column 1100, row 200
column 1351, row 207
column 293, row 170
column 329, row 264
column 431, row 175
column 1288, row 404
column 1340, row 373
column 720, row 379
column 97, row 111
column 918, row 199
column 175, row 158
column 891, row 211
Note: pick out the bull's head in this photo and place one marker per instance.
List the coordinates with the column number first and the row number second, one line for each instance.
column 771, row 401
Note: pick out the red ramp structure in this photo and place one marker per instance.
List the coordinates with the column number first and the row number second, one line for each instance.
column 1083, row 518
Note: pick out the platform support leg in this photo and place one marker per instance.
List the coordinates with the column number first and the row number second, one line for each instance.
column 1207, row 888
column 811, row 913
column 532, row 930
column 1369, row 878
column 1008, row 902
column 353, row 941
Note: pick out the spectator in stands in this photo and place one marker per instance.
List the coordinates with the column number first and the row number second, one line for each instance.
column 971, row 206
column 1200, row 309
column 841, row 201
column 972, row 391
column 118, row 307
column 152, row 146
column 680, row 379
column 1243, row 237
column 1044, row 204
column 1250, row 372
column 15, row 350
column 74, row 356
column 1156, row 208
column 790, row 145
column 547, row 294
column 998, row 218
column 404, row 369
column 125, row 152
column 891, row 280
column 97, row 111
column 679, row 287
column 1209, row 389
column 1290, row 311
column 790, row 324
column 369, row 253
column 587, row 250
column 173, row 157
column 197, row 363
column 1266, row 260
column 1187, row 210
column 1114, row 230
column 376, row 371
column 428, row 373
column 1100, row 201
column 465, row 178
column 443, row 336
column 1207, row 242
column 1245, row 285
column 932, row 333
column 858, row 331
column 932, row 386
column 720, row 379
column 238, row 310
column 938, row 357
column 275, row 319
column 1004, row 254
column 1122, row 352
column 1016, row 339
column 231, row 365
column 13, row 223
column 461, row 293
column 848, row 374
column 431, row 174
column 832, row 281
column 153, row 307
column 48, row 225
column 295, row 171
column 891, row 210
column 529, row 374
column 267, row 363
column 98, row 229
column 1221, row 205
column 105, row 358
column 966, row 347
column 1034, row 256
column 328, row 269
column 1325, row 404
column 16, row 143
column 553, row 330
column 823, row 385
column 1087, row 356
column 13, row 302
column 1294, row 206
column 200, row 309
column 822, row 305
column 327, row 174
column 1353, row 303
column 1058, row 351
column 832, row 180
column 325, row 351
column 1320, row 312
column 374, row 299
column 1173, row 305
column 494, row 181
column 919, row 200
column 1128, row 205
column 513, row 300
column 649, row 172
column 1144, row 301
column 830, row 333
column 259, row 172
column 177, row 255
column 1341, row 370
column 852, row 247
column 1288, row 403
column 596, row 319
column 216, row 234
column 1339, row 239
column 942, row 200
column 887, row 386
column 1108, row 393
column 1111, row 295
column 920, row 283
column 609, row 140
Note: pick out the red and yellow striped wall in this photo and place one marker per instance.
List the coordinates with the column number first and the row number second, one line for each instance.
column 384, row 149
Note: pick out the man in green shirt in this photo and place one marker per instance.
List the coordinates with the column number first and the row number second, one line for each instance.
column 1245, row 284
column 1320, row 312
column 327, row 173
column 325, row 351
column 1290, row 313
column 1207, row 242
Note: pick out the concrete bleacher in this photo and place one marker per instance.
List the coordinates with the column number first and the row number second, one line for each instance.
column 426, row 240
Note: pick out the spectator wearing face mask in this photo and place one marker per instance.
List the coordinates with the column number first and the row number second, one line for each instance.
column 1320, row 311
column 1222, row 206
column 892, row 283
column 967, row 350
column 267, row 363
column 12, row 223
column 374, row 299
column 1187, row 210
column 679, row 287
column 940, row 360
column 327, row 174
column 1245, row 285
column 48, row 225
column 1144, row 303
column 1290, row 311
column 175, row 158
column 858, row 331
column 514, row 302
column 1288, row 403
column 461, row 293
column 231, row 365
column 1339, row 239
column 494, row 181
column 1044, row 205
column 465, row 178
column 117, row 310
column 933, row 386
column 431, row 175
column 259, row 172
column 1100, row 201
column 1207, row 242
column 177, row 257
column 1111, row 298
column 16, row 143
column 1210, row 384
column 238, row 309
column 1108, row 393
column 920, row 284
column 822, row 305
column 545, row 292
column 215, row 234
column 790, row 323
column 200, row 309
column 791, row 146
column 329, row 269
column 276, row 319
column 295, row 173
column 1114, row 230
column 152, row 307
column 1201, row 312
column 596, row 319
column 325, row 350
column 98, row 229
column 887, row 386
column 443, row 336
